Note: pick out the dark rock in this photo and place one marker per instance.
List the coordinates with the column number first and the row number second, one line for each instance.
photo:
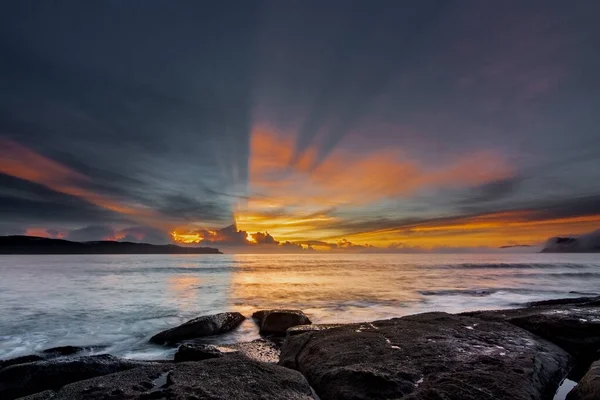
column 20, row 360
column 45, row 395
column 258, row 350
column 217, row 379
column 199, row 352
column 576, row 300
column 427, row 356
column 24, row 379
column 588, row 387
column 63, row 351
column 297, row 330
column 277, row 322
column 207, row 325
column 573, row 324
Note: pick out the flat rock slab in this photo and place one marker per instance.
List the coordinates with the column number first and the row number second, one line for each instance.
column 225, row 378
column 277, row 322
column 427, row 356
column 207, row 325
column 258, row 350
column 588, row 387
column 573, row 324
column 24, row 379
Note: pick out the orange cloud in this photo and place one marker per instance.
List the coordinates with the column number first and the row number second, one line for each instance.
column 43, row 232
column 23, row 163
column 492, row 229
column 304, row 188
column 349, row 178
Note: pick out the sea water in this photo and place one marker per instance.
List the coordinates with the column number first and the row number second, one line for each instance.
column 115, row 303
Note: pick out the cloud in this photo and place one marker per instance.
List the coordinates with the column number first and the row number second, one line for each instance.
column 358, row 178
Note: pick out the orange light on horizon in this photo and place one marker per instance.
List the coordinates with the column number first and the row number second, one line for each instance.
column 187, row 238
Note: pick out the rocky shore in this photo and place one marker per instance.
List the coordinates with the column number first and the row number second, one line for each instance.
column 524, row 353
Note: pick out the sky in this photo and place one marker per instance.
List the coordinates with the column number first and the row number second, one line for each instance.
column 301, row 125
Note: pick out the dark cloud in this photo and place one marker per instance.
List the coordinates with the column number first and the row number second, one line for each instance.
column 29, row 204
column 100, row 100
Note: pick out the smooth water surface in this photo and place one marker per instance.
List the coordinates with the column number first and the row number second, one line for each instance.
column 118, row 301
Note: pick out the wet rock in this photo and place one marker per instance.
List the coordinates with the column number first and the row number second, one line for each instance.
column 588, row 387
column 222, row 378
column 20, row 360
column 24, row 379
column 427, row 356
column 258, row 350
column 297, row 330
column 207, row 325
column 573, row 324
column 277, row 322
column 199, row 352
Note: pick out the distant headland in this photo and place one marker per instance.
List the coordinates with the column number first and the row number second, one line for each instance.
column 40, row 245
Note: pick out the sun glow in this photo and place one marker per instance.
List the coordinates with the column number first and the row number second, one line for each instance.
column 250, row 238
column 187, row 238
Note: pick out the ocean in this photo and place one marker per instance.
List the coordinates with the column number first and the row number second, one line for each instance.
column 115, row 303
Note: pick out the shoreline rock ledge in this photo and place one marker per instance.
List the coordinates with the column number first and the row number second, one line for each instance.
column 207, row 325
column 427, row 356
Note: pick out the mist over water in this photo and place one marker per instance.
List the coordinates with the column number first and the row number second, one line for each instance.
column 116, row 302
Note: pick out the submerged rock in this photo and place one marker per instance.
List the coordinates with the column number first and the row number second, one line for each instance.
column 217, row 379
column 207, row 325
column 24, row 379
column 573, row 324
column 427, row 356
column 588, row 387
column 63, row 351
column 277, row 322
column 20, row 360
column 47, row 354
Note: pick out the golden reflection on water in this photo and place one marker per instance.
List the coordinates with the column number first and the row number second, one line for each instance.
column 185, row 289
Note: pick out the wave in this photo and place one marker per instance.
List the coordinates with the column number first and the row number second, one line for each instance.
column 513, row 266
column 483, row 292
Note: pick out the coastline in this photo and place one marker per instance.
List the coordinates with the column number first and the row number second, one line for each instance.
column 518, row 353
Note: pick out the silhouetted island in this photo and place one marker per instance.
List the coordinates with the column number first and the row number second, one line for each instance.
column 40, row 245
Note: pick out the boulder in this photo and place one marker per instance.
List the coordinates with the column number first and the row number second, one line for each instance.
column 216, row 379
column 277, row 322
column 427, row 356
column 573, row 324
column 207, row 325
column 257, row 350
column 24, row 379
column 588, row 387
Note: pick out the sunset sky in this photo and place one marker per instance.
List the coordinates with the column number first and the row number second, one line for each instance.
column 294, row 125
